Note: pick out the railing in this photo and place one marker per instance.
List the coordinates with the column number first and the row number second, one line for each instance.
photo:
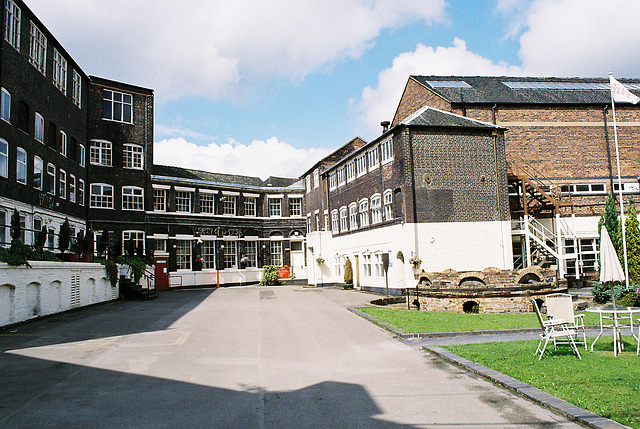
column 147, row 273
column 519, row 166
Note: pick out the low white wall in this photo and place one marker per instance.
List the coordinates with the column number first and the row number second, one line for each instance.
column 50, row 287
column 210, row 277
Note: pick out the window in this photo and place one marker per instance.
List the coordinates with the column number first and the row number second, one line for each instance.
column 159, row 200
column 326, row 221
column 585, row 188
column 81, row 192
column 376, row 209
column 76, row 93
column 364, row 213
column 132, row 156
column 351, row 171
column 627, row 188
column 307, row 184
column 308, row 223
column 4, row 158
column 249, row 206
column 386, row 151
column 38, row 167
column 379, row 267
column 275, row 206
column 337, row 265
column 183, row 201
column 50, row 179
column 276, row 253
column 316, row 178
column 5, row 105
column 21, row 166
column 133, row 240
column 117, row 106
column 206, row 203
column 160, row 245
column 361, row 165
column 12, row 15
column 353, row 216
column 373, row 158
column 101, row 196
column 208, row 252
column 333, row 181
column 183, row 254
column 366, row 265
column 228, row 205
column 63, row 143
column 251, row 252
column 334, row 222
column 3, row 227
column 59, row 71
column 230, row 254
column 82, row 155
column 132, row 198
column 62, row 184
column 341, row 176
column 388, row 208
column 295, row 206
column 343, row 219
column 39, row 128
column 38, row 49
column 100, row 153
column 72, row 188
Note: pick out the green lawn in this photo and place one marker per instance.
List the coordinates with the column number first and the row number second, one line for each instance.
column 601, row 383
column 413, row 321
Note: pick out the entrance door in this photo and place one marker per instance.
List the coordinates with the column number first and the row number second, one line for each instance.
column 161, row 272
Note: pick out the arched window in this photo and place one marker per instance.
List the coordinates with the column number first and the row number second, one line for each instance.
column 376, row 209
column 21, row 166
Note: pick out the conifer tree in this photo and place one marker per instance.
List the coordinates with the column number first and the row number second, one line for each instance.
column 633, row 244
column 611, row 221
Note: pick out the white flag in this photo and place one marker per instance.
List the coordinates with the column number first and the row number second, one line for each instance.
column 620, row 93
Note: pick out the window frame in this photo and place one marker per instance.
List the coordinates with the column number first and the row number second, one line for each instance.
column 295, row 207
column 21, row 166
column 276, row 253
column 386, row 151
column 208, row 253
column 375, row 205
column 50, row 179
column 137, row 236
column 373, row 156
column 344, row 216
column 133, row 201
column 229, row 205
column 38, row 173
column 160, row 200
column 12, row 24
column 101, row 153
column 361, row 165
column 353, row 216
column 230, row 254
column 133, row 156
column 387, row 202
column 38, row 130
column 62, row 183
column 59, row 71
column 37, row 48
column 250, row 206
column 183, row 254
column 102, row 200
column 110, row 105
column 184, row 201
column 275, row 207
column 335, row 228
column 5, row 105
column 363, row 209
column 72, row 188
column 76, row 91
column 83, row 155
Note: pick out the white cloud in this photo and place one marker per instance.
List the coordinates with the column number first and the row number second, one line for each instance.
column 220, row 49
column 379, row 103
column 258, row 159
column 582, row 38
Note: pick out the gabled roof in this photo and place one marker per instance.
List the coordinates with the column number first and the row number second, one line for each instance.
column 430, row 117
column 523, row 90
column 168, row 172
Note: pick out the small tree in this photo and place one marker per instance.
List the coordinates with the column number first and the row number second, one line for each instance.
column 633, row 243
column 65, row 236
column 348, row 273
column 87, row 243
column 611, row 221
column 15, row 225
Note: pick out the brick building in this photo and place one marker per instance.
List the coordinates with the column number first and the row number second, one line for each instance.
column 81, row 147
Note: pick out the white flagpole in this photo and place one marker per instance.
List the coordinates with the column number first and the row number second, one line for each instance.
column 624, row 237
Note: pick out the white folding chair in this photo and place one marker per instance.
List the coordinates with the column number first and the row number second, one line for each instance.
column 554, row 330
column 560, row 307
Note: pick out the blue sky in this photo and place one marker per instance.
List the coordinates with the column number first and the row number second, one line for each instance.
column 269, row 87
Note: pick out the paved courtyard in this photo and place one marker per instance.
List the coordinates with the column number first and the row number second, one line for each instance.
column 244, row 357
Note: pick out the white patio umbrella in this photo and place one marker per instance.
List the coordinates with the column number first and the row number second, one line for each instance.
column 610, row 269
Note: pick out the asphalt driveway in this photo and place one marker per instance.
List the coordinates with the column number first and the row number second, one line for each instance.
column 244, row 357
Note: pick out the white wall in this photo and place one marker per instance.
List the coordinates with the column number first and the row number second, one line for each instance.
column 46, row 288
column 211, row 277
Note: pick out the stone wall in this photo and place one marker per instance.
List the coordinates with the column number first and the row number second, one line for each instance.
column 49, row 288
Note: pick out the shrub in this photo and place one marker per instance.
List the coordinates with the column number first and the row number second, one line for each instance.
column 348, row 272
column 630, row 297
column 19, row 254
column 270, row 276
column 112, row 271
column 602, row 292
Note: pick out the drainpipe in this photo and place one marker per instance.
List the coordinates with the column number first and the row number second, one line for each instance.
column 413, row 195
column 495, row 163
column 606, row 136
column 493, row 113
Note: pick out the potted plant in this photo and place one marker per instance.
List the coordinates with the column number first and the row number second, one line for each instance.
column 348, row 275
column 270, row 276
column 319, row 261
column 65, row 237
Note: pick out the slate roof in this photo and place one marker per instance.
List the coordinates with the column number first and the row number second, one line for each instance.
column 428, row 116
column 541, row 90
column 232, row 180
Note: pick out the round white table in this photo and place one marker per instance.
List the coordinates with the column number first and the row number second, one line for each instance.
column 616, row 312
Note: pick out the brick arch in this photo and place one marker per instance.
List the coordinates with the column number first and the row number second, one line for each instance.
column 471, row 276
column 528, row 273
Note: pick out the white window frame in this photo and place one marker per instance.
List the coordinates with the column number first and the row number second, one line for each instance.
column 101, row 153
column 62, row 184
column 230, row 254
column 83, row 155
column 207, row 203
column 388, row 205
column 341, row 176
column 38, row 49
column 386, row 151
column 183, row 254
column 335, row 228
column 275, row 207
column 76, row 92
column 103, row 199
column 377, row 262
column 110, row 100
column 366, row 265
column 81, row 192
column 50, row 179
column 5, row 105
column 4, row 158
column 72, row 188
column 343, row 219
column 376, row 209
column 38, row 130
column 183, row 201
column 160, row 200
column 351, row 171
column 137, row 237
column 363, row 208
column 374, row 158
column 132, row 156
column 12, row 27
column 132, row 198
column 251, row 252
column 361, row 165
column 295, row 207
column 21, row 166
column 59, row 71
column 208, row 253
column 63, row 143
column 353, row 216
column 316, row 178
column 333, row 181
column 229, row 205
column 38, row 173
column 250, row 206
column 275, row 250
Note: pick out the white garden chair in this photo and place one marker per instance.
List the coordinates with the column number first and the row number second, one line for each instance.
column 560, row 307
column 554, row 330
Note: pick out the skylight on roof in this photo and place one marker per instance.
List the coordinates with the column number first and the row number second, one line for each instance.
column 448, row 84
column 565, row 85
